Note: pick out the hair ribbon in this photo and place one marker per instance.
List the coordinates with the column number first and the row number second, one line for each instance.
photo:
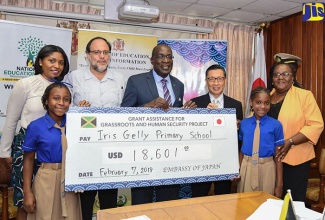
column 61, row 83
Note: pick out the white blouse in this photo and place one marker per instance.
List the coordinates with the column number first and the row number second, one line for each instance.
column 24, row 103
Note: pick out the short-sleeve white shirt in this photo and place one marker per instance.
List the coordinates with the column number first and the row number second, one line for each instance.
column 107, row 92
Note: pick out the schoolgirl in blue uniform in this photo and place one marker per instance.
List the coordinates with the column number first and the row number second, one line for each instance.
column 46, row 199
column 269, row 177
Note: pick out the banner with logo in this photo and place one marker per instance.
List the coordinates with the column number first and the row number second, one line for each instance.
column 20, row 44
column 192, row 58
column 130, row 52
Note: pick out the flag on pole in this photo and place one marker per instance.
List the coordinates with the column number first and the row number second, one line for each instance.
column 287, row 211
column 258, row 76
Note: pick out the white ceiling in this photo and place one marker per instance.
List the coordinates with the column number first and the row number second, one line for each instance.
column 240, row 11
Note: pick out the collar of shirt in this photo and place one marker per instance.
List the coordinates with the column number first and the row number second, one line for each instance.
column 50, row 122
column 89, row 75
column 40, row 77
column 219, row 100
column 262, row 120
column 159, row 78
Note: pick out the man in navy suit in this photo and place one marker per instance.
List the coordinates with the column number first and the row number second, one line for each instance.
column 146, row 90
column 215, row 77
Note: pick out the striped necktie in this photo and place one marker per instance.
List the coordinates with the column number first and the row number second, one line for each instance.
column 256, row 146
column 166, row 92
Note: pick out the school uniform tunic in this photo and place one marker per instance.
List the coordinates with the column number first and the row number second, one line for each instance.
column 44, row 139
column 271, row 136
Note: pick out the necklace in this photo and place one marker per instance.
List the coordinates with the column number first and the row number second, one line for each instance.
column 277, row 101
column 281, row 97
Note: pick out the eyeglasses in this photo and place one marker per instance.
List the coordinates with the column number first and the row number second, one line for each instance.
column 162, row 57
column 285, row 75
column 97, row 52
column 213, row 79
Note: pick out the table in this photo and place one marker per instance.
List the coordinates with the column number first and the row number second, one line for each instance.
column 229, row 206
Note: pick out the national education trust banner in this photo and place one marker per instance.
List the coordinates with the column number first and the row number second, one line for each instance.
column 20, row 44
column 130, row 52
column 133, row 147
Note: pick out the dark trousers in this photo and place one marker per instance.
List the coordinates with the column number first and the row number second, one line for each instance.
column 295, row 178
column 202, row 189
column 107, row 199
column 142, row 195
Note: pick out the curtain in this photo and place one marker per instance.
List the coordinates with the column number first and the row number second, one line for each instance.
column 239, row 57
column 51, row 5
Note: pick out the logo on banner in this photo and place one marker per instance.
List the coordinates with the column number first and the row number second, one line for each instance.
column 88, row 122
column 118, row 44
column 313, row 11
column 30, row 47
column 219, row 121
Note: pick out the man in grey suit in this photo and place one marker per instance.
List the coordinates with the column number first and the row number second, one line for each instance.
column 216, row 80
column 147, row 90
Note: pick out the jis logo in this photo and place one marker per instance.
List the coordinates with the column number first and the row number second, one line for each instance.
column 313, row 11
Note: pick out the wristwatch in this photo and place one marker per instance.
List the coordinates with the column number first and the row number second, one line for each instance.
column 291, row 142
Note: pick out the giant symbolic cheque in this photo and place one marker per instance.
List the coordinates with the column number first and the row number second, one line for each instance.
column 133, row 147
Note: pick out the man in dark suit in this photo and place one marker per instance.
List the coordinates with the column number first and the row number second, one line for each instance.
column 147, row 90
column 216, row 81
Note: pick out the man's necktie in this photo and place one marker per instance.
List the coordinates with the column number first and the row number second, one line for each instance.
column 64, row 150
column 256, row 146
column 215, row 101
column 166, row 92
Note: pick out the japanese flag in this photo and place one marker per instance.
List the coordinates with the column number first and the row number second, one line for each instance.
column 258, row 76
column 219, row 121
